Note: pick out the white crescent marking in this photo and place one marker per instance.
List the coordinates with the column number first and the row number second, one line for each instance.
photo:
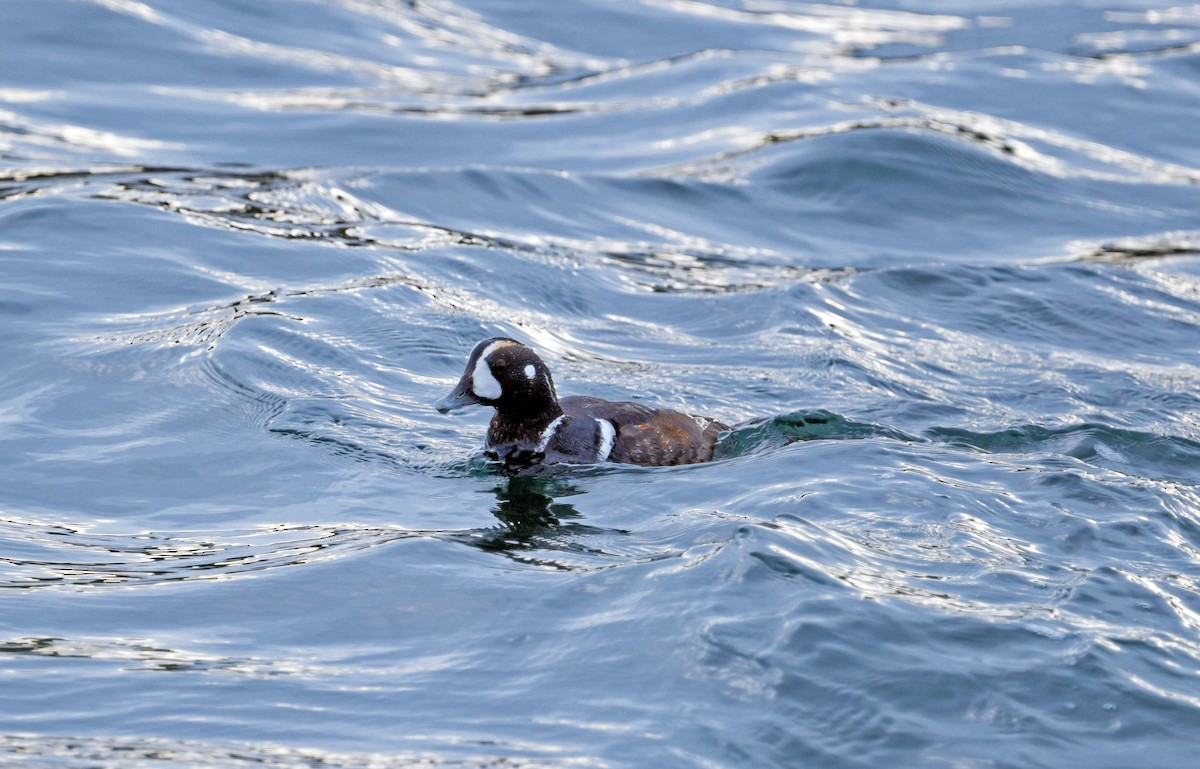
column 483, row 383
column 548, row 433
column 608, row 433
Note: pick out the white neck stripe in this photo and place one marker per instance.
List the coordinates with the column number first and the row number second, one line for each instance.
column 608, row 434
column 548, row 433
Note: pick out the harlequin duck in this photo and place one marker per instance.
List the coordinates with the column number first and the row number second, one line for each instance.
column 532, row 424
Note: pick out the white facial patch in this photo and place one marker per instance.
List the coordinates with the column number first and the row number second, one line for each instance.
column 608, row 433
column 483, row 383
column 531, row 372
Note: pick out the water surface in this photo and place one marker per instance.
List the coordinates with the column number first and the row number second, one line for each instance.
column 938, row 260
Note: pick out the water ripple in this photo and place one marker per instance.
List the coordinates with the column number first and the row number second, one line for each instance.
column 937, row 265
column 1033, row 148
column 104, row 752
column 63, row 556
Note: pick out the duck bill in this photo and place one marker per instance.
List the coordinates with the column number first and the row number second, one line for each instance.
column 459, row 397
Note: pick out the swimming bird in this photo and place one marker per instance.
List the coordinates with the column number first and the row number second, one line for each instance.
column 533, row 425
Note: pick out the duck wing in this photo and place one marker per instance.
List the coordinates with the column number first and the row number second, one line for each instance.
column 649, row 436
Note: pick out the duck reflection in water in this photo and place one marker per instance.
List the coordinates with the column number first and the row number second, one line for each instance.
column 526, row 504
column 531, row 518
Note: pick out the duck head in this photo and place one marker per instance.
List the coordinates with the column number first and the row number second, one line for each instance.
column 506, row 375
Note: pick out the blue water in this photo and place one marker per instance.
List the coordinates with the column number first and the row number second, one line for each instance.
column 940, row 260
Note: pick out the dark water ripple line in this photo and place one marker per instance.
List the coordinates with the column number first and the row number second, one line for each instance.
column 92, row 561
column 205, row 325
column 300, row 205
column 149, row 654
column 1115, row 48
column 560, row 95
column 374, row 102
column 1006, row 139
column 439, row 29
column 159, row 655
column 296, row 205
column 65, row 180
column 1176, row 243
column 292, row 205
column 245, row 210
column 92, row 752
